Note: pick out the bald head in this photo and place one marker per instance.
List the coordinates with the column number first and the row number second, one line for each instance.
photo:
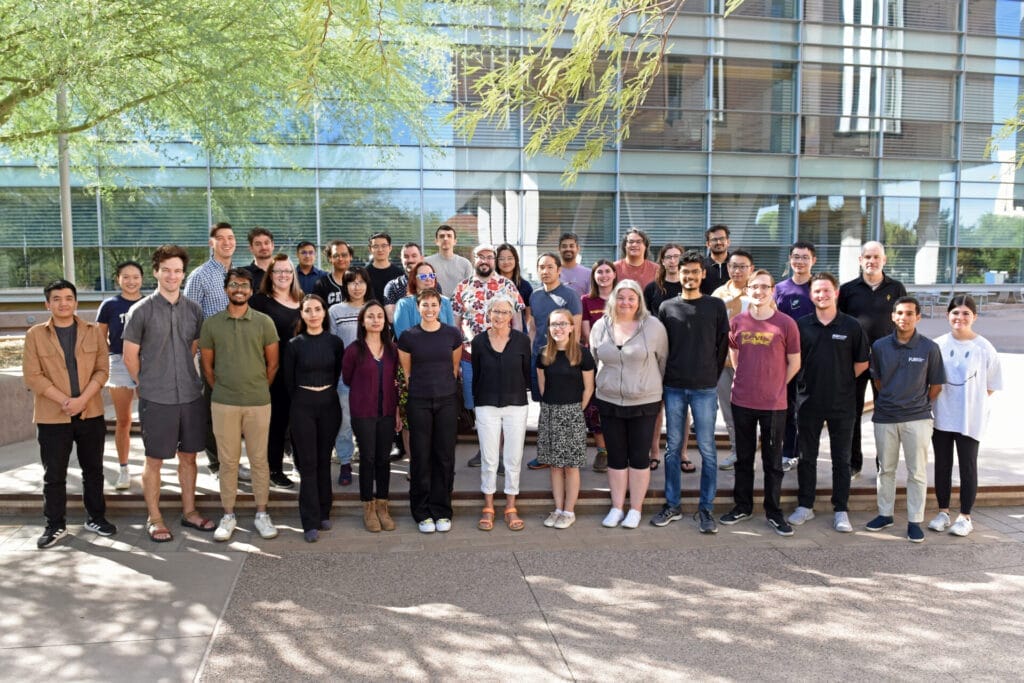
column 872, row 261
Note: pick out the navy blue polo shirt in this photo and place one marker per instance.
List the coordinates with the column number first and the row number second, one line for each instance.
column 904, row 372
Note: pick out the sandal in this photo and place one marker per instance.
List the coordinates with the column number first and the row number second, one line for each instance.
column 512, row 520
column 158, row 531
column 202, row 524
column 486, row 522
column 654, row 463
column 687, row 466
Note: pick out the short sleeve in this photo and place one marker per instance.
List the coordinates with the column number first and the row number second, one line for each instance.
column 587, row 363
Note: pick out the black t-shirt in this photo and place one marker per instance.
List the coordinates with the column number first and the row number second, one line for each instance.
column 257, row 275
column 328, row 290
column 431, row 373
column 825, row 385
column 379, row 279
column 653, row 297
column 698, row 341
column 285, row 319
column 68, row 337
column 563, row 383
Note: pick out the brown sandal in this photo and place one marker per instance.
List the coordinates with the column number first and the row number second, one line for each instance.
column 158, row 531
column 512, row 520
column 486, row 522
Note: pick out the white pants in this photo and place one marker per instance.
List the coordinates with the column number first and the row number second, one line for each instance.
column 915, row 437
column 491, row 424
column 725, row 405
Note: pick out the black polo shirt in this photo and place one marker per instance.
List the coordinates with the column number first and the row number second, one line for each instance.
column 871, row 307
column 904, row 372
column 715, row 275
column 826, row 385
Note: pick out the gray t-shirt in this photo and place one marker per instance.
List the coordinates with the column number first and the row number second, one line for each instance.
column 165, row 333
column 904, row 372
column 450, row 271
column 68, row 336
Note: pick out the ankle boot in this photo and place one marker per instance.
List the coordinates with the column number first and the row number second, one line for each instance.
column 370, row 520
column 384, row 516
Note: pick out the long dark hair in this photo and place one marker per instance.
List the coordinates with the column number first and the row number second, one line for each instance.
column 659, row 279
column 387, row 335
column 300, row 327
column 505, row 246
column 595, row 291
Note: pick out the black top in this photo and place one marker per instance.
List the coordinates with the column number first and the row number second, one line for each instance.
column 563, row 383
column 654, row 296
column 328, row 290
column 431, row 373
column 257, row 276
column 285, row 319
column 312, row 361
column 826, row 385
column 68, row 336
column 379, row 279
column 871, row 307
column 715, row 275
column 501, row 379
column 698, row 341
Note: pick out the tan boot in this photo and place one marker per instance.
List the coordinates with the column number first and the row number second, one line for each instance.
column 370, row 520
column 386, row 523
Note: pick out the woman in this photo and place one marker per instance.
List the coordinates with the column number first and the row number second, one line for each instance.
column 630, row 347
column 565, row 375
column 501, row 380
column 310, row 369
column 961, row 411
column 429, row 354
column 110, row 318
column 355, row 284
column 406, row 312
column 602, row 280
column 507, row 262
column 369, row 369
column 279, row 297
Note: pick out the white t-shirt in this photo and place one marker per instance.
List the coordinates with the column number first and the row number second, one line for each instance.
column 972, row 370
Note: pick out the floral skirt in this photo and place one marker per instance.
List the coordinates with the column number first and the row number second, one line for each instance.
column 561, row 435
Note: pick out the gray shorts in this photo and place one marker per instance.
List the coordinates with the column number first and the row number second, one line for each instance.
column 119, row 377
column 167, row 429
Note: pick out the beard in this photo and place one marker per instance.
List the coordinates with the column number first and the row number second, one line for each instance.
column 484, row 269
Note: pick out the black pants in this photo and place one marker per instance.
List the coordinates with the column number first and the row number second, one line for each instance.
column 280, row 413
column 773, row 427
column 55, row 442
column 856, row 454
column 840, row 438
column 432, row 432
column 374, row 436
column 628, row 440
column 315, row 419
column 791, row 444
column 211, row 441
column 967, row 457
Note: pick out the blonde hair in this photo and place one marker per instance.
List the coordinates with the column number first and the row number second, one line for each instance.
column 573, row 352
column 267, row 285
column 641, row 311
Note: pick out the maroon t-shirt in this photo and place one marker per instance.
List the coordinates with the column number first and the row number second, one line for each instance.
column 593, row 308
column 762, row 347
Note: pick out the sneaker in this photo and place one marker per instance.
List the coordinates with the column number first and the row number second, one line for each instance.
column 601, row 460
column 781, row 526
column 878, row 523
column 244, row 474
column 666, row 516
column 613, row 518
column 225, row 528
column 914, row 533
column 124, row 480
column 728, row 463
column 537, row 465
column 325, row 525
column 311, row 535
column 474, row 461
column 51, row 535
column 100, row 526
column 789, row 464
column 962, row 526
column 940, row 523
column 280, row 480
column 427, row 526
column 345, row 475
column 552, row 518
column 801, row 515
column 265, row 526
column 841, row 523
column 565, row 520
column 733, row 516
column 854, row 474
column 706, row 522
column 444, row 524
column 632, row 520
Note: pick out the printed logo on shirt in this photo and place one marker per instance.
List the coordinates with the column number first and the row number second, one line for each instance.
column 915, row 359
column 840, row 337
column 757, row 338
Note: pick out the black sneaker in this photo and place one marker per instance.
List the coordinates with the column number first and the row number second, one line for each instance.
column 280, row 480
column 914, row 533
column 781, row 526
column 878, row 523
column 100, row 526
column 51, row 535
column 474, row 461
column 733, row 516
column 667, row 516
column 707, row 522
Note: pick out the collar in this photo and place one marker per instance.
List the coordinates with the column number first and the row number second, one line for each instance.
column 78, row 323
column 245, row 316
column 908, row 345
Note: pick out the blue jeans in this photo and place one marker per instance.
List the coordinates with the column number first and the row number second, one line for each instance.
column 703, row 405
column 344, row 443
column 467, row 384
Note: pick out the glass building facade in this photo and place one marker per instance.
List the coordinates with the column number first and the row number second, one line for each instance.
column 833, row 121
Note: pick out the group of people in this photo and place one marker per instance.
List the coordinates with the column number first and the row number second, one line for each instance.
column 383, row 358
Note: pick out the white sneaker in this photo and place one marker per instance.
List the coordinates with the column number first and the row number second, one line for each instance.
column 613, row 518
column 632, row 520
column 801, row 515
column 940, row 523
column 265, row 526
column 427, row 526
column 962, row 526
column 789, row 464
column 552, row 518
column 225, row 528
column 565, row 520
column 124, row 480
column 841, row 523
column 244, row 474
column 728, row 463
column 444, row 524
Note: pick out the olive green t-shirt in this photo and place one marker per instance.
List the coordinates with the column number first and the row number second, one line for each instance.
column 239, row 364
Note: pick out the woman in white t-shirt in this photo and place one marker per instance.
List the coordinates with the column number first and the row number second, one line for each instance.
column 961, row 411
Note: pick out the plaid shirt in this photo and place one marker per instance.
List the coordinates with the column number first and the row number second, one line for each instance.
column 205, row 286
column 471, row 297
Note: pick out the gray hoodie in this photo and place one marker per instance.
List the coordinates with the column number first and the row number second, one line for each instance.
column 629, row 375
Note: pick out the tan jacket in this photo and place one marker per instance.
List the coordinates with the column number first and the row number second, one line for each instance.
column 43, row 367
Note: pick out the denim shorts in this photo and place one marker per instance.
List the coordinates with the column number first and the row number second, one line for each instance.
column 119, row 377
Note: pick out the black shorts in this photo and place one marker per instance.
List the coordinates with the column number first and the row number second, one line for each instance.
column 167, row 429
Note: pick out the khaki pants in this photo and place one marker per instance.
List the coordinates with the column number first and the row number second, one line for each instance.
column 915, row 437
column 230, row 425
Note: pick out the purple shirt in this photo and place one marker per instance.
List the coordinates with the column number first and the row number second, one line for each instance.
column 794, row 300
column 576, row 278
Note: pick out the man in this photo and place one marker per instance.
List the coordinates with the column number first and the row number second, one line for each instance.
column 908, row 374
column 833, row 353
column 239, row 351
column 698, row 342
column 764, row 346
column 329, row 286
column 469, row 305
column 734, row 294
column 575, row 276
column 634, row 264
column 307, row 272
column 793, row 297
column 869, row 299
column 381, row 269
column 450, row 268
column 65, row 366
column 261, row 245
column 395, row 290
column 716, row 238
column 161, row 339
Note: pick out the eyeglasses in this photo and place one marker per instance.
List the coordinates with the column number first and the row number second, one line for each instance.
column 423, row 277
column 799, row 257
column 716, row 240
column 507, row 259
column 239, row 285
column 337, row 255
column 385, row 245
column 278, row 271
column 739, row 266
column 484, row 258
column 634, row 241
column 671, row 257
column 307, row 252
column 500, row 311
column 559, row 325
